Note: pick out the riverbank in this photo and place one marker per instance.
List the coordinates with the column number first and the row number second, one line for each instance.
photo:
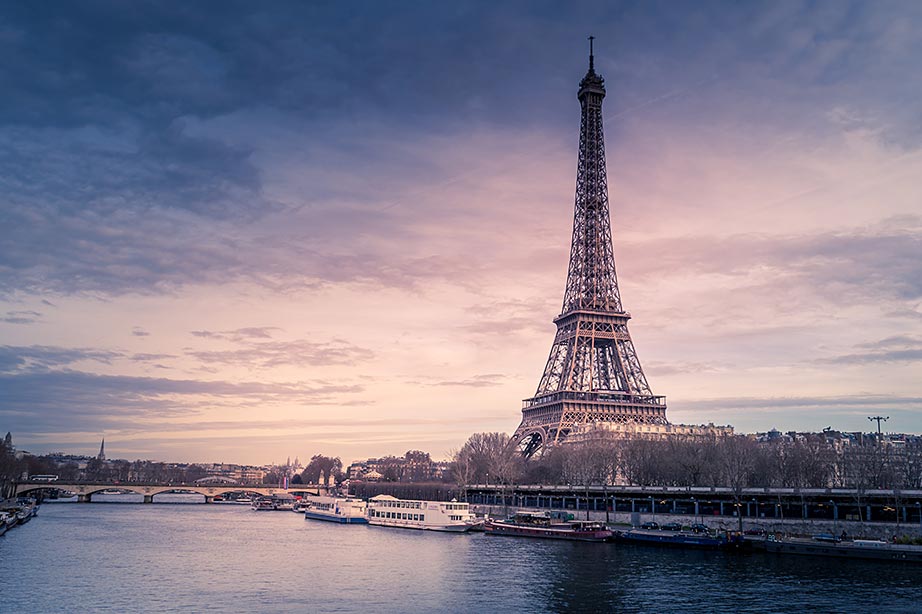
column 14, row 513
column 856, row 529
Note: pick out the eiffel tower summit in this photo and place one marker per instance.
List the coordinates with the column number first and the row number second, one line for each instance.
column 593, row 375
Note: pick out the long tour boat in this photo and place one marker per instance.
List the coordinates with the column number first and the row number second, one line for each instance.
column 388, row 511
column 539, row 524
column 680, row 539
column 830, row 546
column 344, row 510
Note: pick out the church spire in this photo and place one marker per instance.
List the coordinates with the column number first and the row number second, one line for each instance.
column 102, row 450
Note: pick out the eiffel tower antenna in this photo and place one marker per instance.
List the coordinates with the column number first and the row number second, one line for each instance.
column 593, row 374
column 591, row 56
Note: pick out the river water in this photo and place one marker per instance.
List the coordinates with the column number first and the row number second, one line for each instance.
column 225, row 557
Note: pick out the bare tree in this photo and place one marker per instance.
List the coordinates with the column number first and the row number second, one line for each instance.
column 737, row 462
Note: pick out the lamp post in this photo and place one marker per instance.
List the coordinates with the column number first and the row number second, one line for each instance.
column 835, row 517
column 878, row 419
column 919, row 510
column 653, row 509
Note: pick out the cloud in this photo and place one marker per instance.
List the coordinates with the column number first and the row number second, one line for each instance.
column 486, row 380
column 240, row 334
column 862, row 263
column 150, row 357
column 21, row 317
column 62, row 401
column 277, row 353
column 14, row 359
column 913, row 355
column 678, row 368
column 258, row 352
column 769, row 404
column 902, row 341
column 762, row 162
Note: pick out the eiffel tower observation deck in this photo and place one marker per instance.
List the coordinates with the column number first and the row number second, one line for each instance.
column 593, row 375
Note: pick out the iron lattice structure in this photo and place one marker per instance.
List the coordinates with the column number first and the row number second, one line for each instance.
column 593, row 374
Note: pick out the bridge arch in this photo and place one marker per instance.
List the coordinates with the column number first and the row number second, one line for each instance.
column 85, row 491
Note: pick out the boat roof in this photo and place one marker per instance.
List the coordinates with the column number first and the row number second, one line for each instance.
column 527, row 514
column 384, row 498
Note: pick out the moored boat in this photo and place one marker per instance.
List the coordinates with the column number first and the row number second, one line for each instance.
column 857, row 549
column 451, row 516
column 344, row 510
column 263, row 504
column 539, row 524
column 679, row 539
column 274, row 503
column 11, row 520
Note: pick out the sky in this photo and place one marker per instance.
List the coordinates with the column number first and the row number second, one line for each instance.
column 239, row 232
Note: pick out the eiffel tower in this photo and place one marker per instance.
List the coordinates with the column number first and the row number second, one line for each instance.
column 593, row 374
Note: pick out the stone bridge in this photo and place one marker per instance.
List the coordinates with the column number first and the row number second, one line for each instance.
column 86, row 490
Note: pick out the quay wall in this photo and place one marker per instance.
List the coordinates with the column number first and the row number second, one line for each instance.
column 787, row 526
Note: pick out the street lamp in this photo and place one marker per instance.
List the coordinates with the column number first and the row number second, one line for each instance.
column 919, row 510
column 653, row 509
column 878, row 419
column 835, row 518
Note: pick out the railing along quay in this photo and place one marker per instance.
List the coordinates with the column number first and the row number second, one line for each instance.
column 833, row 504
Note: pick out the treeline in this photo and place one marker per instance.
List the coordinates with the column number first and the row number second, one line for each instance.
column 734, row 461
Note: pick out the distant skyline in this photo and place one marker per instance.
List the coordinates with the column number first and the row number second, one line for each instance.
column 237, row 232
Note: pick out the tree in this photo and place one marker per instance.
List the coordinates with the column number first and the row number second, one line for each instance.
column 321, row 468
column 418, row 466
column 462, row 469
column 491, row 455
column 737, row 462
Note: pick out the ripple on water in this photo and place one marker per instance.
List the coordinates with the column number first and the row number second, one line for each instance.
column 161, row 557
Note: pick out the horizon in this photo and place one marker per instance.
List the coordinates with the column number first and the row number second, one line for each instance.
column 447, row 459
column 346, row 231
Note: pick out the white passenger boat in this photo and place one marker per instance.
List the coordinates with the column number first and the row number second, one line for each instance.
column 388, row 511
column 344, row 510
column 263, row 504
column 300, row 505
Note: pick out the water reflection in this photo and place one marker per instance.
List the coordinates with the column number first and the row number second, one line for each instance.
column 77, row 557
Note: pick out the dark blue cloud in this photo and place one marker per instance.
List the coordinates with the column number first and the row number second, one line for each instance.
column 113, row 187
column 64, row 400
column 17, row 359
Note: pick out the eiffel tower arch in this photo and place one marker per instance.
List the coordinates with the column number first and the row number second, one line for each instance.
column 592, row 374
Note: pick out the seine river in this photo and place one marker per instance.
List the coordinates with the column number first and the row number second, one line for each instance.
column 225, row 557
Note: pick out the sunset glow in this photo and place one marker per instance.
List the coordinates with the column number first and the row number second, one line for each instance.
column 246, row 237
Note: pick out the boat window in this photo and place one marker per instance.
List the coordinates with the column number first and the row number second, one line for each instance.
column 422, row 517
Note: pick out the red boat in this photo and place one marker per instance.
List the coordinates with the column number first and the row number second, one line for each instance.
column 538, row 524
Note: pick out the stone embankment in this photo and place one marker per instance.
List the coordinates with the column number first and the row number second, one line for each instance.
column 854, row 529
